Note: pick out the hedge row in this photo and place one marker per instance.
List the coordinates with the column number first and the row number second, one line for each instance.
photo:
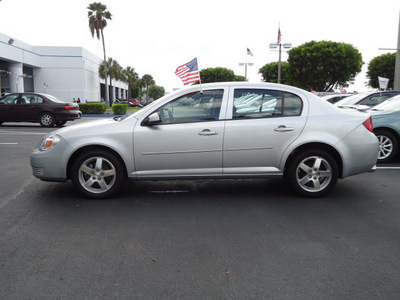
column 99, row 108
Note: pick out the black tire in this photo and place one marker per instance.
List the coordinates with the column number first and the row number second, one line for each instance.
column 313, row 173
column 47, row 119
column 97, row 173
column 387, row 145
column 60, row 123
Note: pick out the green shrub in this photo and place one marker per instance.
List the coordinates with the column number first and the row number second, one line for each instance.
column 119, row 109
column 95, row 108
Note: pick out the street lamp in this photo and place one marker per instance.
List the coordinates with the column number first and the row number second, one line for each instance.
column 286, row 46
column 396, row 83
column 245, row 68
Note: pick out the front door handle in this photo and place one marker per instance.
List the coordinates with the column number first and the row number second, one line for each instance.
column 283, row 128
column 208, row 132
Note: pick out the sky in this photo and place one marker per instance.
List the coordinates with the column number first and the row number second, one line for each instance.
column 156, row 36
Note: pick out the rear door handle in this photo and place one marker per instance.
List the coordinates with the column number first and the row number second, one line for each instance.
column 283, row 128
column 208, row 132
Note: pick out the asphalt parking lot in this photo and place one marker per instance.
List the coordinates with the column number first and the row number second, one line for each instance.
column 206, row 239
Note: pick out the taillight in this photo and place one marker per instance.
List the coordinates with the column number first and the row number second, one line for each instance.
column 68, row 107
column 368, row 124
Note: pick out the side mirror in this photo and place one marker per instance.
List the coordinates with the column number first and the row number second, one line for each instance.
column 153, row 119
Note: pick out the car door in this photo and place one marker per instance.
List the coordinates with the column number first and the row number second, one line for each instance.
column 255, row 139
column 30, row 107
column 8, row 108
column 185, row 141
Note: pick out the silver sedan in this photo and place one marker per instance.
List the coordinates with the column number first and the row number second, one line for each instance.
column 198, row 133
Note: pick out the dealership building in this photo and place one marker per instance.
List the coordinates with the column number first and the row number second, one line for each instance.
column 65, row 72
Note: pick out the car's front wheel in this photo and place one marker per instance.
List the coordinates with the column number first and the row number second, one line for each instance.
column 387, row 145
column 97, row 173
column 60, row 123
column 313, row 173
column 47, row 119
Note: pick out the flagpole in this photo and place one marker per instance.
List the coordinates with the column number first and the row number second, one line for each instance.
column 245, row 66
column 201, row 87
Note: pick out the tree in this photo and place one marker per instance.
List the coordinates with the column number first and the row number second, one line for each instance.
column 131, row 77
column 269, row 72
column 323, row 65
column 217, row 75
column 114, row 72
column 98, row 16
column 156, row 92
column 382, row 66
column 147, row 81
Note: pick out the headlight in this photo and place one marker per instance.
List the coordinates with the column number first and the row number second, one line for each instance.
column 49, row 142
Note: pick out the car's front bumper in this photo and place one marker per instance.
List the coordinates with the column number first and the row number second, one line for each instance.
column 50, row 165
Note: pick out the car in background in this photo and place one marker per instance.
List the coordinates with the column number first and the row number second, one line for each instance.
column 134, row 103
column 386, row 122
column 130, row 102
column 335, row 98
column 34, row 107
column 299, row 137
column 369, row 99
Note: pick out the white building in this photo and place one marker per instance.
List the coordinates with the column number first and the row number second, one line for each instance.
column 65, row 72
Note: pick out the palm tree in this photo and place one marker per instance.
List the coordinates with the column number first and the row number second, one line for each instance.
column 146, row 81
column 114, row 72
column 131, row 77
column 98, row 16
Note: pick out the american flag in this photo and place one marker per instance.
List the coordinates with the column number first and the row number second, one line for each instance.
column 189, row 72
column 249, row 52
column 279, row 36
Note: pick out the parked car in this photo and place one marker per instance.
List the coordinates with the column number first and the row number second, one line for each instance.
column 134, row 103
column 335, row 98
column 386, row 121
column 302, row 139
column 34, row 107
column 369, row 99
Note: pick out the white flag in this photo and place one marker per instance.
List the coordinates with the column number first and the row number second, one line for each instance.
column 383, row 83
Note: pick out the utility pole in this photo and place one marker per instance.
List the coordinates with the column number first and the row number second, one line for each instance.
column 396, row 83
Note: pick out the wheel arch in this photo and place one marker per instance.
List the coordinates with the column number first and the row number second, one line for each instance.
column 391, row 130
column 319, row 146
column 90, row 148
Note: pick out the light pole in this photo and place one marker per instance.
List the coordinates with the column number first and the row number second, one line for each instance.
column 245, row 68
column 245, row 64
column 287, row 47
column 396, row 83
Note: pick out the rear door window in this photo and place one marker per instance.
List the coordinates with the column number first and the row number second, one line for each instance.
column 259, row 103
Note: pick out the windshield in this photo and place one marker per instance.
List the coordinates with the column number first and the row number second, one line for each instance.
column 350, row 100
column 390, row 104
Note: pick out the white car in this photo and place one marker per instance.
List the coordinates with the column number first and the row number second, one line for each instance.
column 308, row 141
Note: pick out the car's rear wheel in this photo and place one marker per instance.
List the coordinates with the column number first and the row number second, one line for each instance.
column 47, row 119
column 313, row 173
column 97, row 173
column 387, row 145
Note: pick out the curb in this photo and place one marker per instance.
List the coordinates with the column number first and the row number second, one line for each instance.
column 104, row 115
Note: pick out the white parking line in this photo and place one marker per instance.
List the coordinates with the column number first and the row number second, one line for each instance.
column 21, row 132
column 8, row 143
column 388, row 168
